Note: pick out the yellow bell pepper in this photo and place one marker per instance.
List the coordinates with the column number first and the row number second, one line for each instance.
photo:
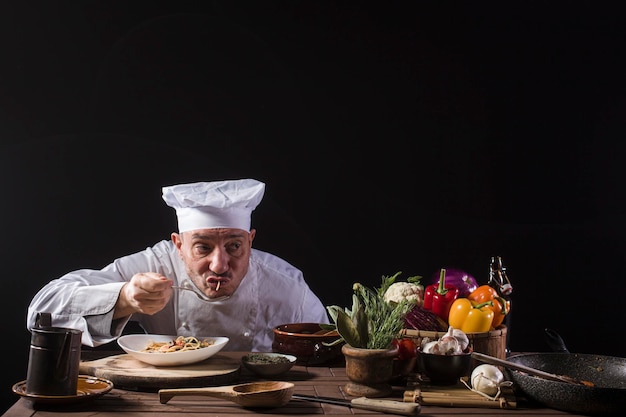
column 470, row 316
column 500, row 307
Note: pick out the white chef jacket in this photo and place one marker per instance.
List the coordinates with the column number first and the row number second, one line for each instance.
column 272, row 293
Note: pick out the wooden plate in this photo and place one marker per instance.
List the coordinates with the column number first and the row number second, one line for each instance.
column 129, row 373
column 88, row 387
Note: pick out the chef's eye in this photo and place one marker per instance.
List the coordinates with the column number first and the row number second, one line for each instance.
column 202, row 249
column 234, row 247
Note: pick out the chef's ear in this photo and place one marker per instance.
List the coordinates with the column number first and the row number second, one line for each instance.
column 178, row 240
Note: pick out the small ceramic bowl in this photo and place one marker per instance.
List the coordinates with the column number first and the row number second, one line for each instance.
column 308, row 342
column 444, row 369
column 268, row 363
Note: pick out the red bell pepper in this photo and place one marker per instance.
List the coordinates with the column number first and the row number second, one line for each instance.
column 438, row 298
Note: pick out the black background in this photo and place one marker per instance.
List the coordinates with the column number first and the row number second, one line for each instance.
column 394, row 136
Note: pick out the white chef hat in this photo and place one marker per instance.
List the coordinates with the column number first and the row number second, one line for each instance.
column 210, row 205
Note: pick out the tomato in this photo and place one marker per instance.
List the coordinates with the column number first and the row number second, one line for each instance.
column 406, row 348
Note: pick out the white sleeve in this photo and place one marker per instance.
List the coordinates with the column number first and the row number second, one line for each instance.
column 84, row 299
column 75, row 303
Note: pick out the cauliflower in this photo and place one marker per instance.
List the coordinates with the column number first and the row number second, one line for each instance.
column 400, row 291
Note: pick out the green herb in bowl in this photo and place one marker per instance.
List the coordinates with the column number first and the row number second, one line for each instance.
column 268, row 364
column 265, row 358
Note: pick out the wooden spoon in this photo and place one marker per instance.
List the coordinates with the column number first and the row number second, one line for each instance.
column 532, row 371
column 253, row 394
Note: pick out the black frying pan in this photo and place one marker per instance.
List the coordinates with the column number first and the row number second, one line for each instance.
column 607, row 395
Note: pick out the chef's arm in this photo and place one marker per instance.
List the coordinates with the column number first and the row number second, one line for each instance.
column 89, row 308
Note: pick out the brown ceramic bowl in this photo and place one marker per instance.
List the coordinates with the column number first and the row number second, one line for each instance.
column 306, row 341
column 444, row 369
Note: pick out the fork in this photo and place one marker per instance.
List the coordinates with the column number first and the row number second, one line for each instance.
column 187, row 287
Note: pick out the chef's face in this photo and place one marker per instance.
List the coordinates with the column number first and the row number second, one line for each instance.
column 216, row 259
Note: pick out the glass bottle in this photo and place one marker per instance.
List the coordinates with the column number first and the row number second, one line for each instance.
column 499, row 280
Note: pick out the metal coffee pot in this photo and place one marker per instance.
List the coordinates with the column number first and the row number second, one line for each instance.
column 53, row 360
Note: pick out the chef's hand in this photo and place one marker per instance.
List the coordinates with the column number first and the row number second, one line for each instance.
column 146, row 292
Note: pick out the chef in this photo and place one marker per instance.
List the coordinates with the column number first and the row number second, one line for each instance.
column 249, row 291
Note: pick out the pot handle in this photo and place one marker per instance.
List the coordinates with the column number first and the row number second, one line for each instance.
column 555, row 341
column 43, row 320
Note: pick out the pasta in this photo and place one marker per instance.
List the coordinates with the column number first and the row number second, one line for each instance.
column 180, row 344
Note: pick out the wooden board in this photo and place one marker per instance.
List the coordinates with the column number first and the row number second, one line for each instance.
column 129, row 373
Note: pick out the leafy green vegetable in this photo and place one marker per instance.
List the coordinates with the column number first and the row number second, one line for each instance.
column 371, row 323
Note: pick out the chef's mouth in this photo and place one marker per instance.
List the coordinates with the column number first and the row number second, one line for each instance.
column 216, row 283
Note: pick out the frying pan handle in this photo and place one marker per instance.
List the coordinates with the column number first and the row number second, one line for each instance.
column 520, row 367
column 555, row 341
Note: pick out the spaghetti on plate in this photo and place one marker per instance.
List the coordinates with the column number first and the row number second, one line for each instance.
column 180, row 344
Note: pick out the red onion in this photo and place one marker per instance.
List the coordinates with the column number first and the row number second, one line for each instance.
column 465, row 282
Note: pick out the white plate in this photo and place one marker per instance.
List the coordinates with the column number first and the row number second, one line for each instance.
column 133, row 344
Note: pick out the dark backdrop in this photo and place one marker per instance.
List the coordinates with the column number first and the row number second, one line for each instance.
column 398, row 136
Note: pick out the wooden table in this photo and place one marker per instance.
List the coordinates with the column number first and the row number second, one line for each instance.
column 326, row 381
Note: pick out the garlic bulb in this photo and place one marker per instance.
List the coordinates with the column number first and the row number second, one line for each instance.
column 486, row 378
column 461, row 337
column 454, row 342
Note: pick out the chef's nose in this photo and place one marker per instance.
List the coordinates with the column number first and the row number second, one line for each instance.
column 219, row 261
